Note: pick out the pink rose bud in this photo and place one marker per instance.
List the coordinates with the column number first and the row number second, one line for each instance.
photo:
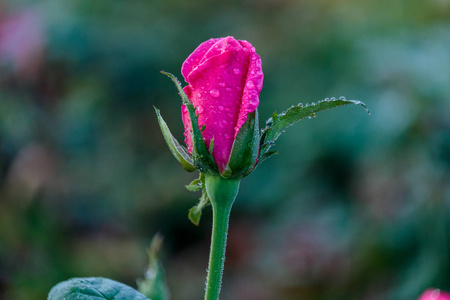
column 224, row 79
column 434, row 294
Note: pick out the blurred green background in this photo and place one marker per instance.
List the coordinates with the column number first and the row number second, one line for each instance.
column 355, row 207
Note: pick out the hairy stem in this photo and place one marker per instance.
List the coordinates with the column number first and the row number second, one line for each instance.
column 222, row 193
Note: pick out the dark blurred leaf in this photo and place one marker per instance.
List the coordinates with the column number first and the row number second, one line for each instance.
column 94, row 288
column 154, row 283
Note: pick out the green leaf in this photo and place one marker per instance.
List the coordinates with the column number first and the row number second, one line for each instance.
column 195, row 186
column 201, row 156
column 277, row 124
column 154, row 283
column 267, row 155
column 195, row 213
column 177, row 150
column 93, row 288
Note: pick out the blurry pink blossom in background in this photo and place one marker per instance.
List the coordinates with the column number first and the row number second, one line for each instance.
column 21, row 41
column 434, row 294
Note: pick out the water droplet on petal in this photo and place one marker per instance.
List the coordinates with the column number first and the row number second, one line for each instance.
column 200, row 109
column 220, row 107
column 222, row 84
column 236, row 71
column 228, row 89
column 250, row 84
column 214, row 93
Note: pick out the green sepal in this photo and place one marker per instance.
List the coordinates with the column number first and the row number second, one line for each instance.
column 211, row 146
column 93, row 288
column 195, row 213
column 203, row 160
column 175, row 80
column 177, row 150
column 245, row 149
column 277, row 124
column 154, row 285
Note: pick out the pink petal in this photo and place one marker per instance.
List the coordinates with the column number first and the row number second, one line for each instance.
column 193, row 60
column 252, row 88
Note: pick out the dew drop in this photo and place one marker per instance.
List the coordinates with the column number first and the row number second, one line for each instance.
column 327, row 99
column 236, row 71
column 214, row 93
column 200, row 109
column 220, row 107
column 342, row 98
column 333, row 99
column 250, row 84
column 222, row 84
column 228, row 89
column 254, row 101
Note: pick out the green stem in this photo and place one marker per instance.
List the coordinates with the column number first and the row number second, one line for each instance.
column 222, row 193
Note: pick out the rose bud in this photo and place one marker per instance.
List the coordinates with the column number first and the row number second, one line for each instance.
column 224, row 79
